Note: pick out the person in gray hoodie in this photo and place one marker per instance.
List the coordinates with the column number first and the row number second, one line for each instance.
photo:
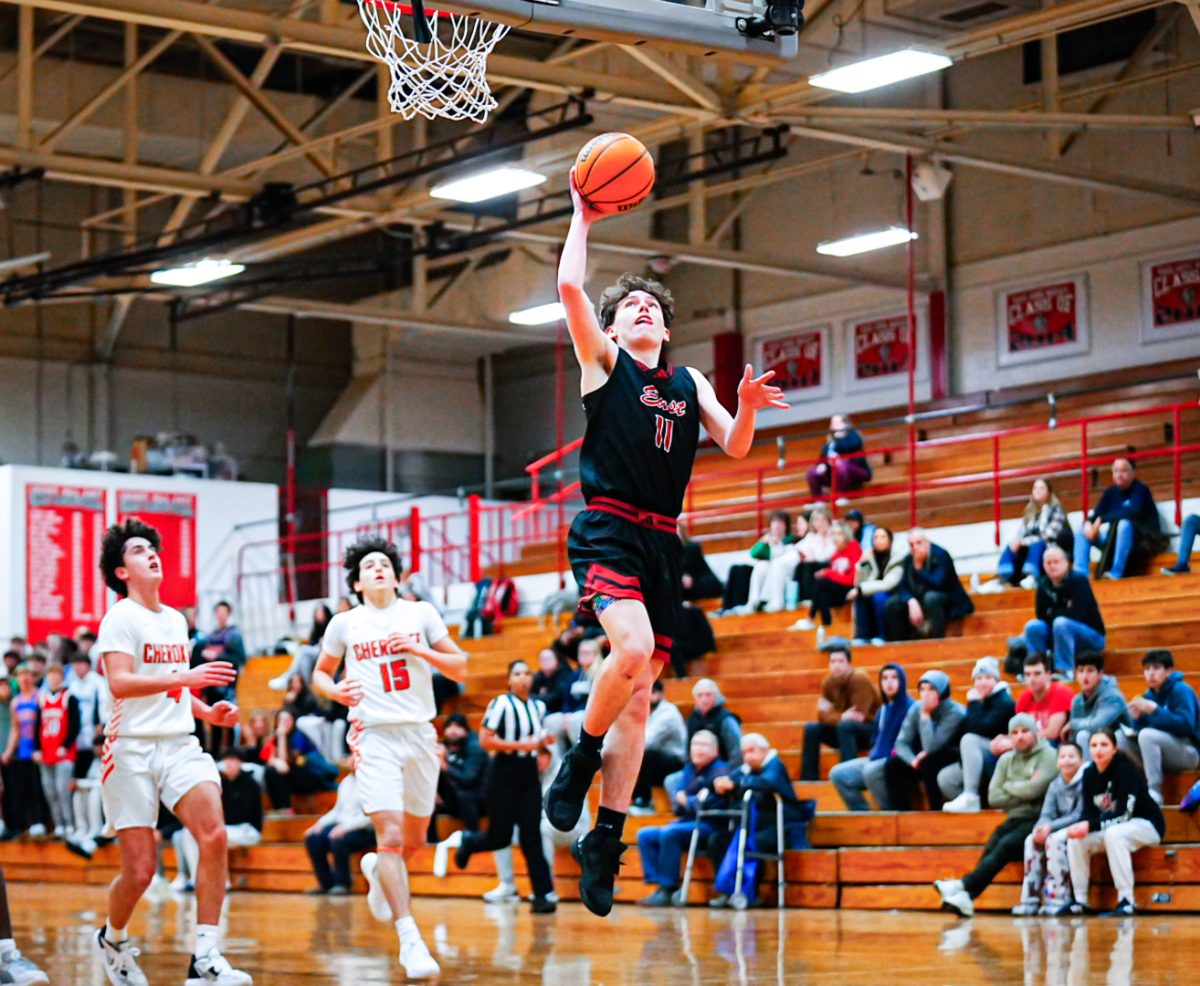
column 1047, row 870
column 928, row 741
column 1018, row 788
column 989, row 707
column 1098, row 704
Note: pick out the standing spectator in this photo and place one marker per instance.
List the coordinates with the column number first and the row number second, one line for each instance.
column 294, row 765
column 1067, row 617
column 990, row 707
column 1125, row 522
column 58, row 730
column 1047, row 884
column 1098, row 704
column 710, row 713
column 342, row 831
column 241, row 799
column 1167, row 721
column 23, row 784
column 831, row 585
column 552, row 682
column 843, row 465
column 845, row 710
column 666, row 749
column 1044, row 523
column 929, row 594
column 662, row 847
column 926, row 743
column 853, row 777
column 223, row 644
column 1119, row 816
column 463, row 764
column 811, row 553
column 773, row 565
column 11, row 659
column 1187, row 538
column 1047, row 700
column 1018, row 788
column 876, row 577
column 6, row 729
column 699, row 581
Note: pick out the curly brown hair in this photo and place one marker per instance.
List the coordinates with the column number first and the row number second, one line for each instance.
column 625, row 286
column 112, row 550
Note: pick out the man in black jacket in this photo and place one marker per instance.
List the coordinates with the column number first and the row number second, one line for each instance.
column 929, row 594
column 1068, row 618
column 460, row 782
column 1128, row 512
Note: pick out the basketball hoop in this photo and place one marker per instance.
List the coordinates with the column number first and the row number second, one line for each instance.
column 441, row 70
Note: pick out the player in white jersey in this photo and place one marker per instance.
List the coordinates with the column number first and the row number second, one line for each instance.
column 391, row 647
column 151, row 755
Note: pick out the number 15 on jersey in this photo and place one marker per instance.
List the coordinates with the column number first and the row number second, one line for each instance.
column 395, row 675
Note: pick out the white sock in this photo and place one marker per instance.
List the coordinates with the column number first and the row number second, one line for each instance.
column 406, row 928
column 7, row 945
column 113, row 934
column 206, row 938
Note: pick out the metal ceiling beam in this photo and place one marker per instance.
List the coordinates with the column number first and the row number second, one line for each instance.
column 66, row 27
column 695, row 89
column 984, row 119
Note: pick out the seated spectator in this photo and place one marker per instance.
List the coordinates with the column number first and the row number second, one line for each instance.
column 1187, row 538
column 710, row 713
column 810, row 554
column 564, row 726
column 1047, row 700
column 773, row 566
column 845, row 710
column 252, row 736
column 876, row 577
column 662, row 847
column 1047, row 883
column 1098, row 704
column 929, row 594
column 1018, row 788
column 1119, row 816
column 831, row 585
column 693, row 639
column 335, row 836
column 241, row 799
column 844, row 467
column 1166, row 720
column 990, row 707
column 305, row 658
column 853, row 777
column 1044, row 523
column 294, row 765
column 1123, row 524
column 462, row 764
column 665, row 752
column 555, row 604
column 927, row 742
column 762, row 771
column 860, row 530
column 1067, row 617
column 552, row 682
column 699, row 581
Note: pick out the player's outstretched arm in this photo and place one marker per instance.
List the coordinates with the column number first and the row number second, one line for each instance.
column 735, row 433
column 124, row 682
column 593, row 348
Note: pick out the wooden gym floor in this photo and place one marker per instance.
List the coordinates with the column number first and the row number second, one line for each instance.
column 293, row 939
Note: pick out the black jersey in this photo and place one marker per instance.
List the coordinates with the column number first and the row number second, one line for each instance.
column 639, row 446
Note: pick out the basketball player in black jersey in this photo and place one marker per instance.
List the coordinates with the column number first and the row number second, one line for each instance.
column 643, row 425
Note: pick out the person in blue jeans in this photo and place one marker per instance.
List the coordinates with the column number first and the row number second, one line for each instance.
column 1068, row 619
column 1187, row 538
column 662, row 847
column 1044, row 523
column 1128, row 512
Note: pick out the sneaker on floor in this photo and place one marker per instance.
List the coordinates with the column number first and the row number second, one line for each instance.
column 642, row 809
column 377, row 902
column 543, row 905
column 1110, row 577
column 960, row 902
column 720, row 901
column 337, row 890
column 118, row 961
column 441, row 853
column 213, row 969
column 79, row 848
column 1175, row 570
column 37, row 831
column 179, row 884
column 599, row 859
column 660, row 898
column 500, row 893
column 965, row 804
column 1065, row 911
column 1124, row 909
column 947, row 887
column 878, row 642
column 417, row 962
column 568, row 791
column 804, row 623
column 1029, row 582
column 1026, row 909
column 15, row 968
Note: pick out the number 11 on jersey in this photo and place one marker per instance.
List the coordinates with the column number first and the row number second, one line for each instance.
column 664, row 432
column 395, row 675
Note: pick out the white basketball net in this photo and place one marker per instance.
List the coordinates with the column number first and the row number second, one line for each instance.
column 446, row 78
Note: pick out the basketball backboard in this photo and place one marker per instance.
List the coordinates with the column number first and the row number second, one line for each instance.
column 699, row 27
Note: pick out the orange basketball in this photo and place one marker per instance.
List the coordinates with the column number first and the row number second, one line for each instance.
column 614, row 173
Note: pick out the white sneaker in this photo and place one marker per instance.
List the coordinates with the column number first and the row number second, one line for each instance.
column 179, row 884
column 804, row 623
column 278, row 684
column 965, row 804
column 960, row 903
column 60, row 831
column 213, row 969
column 37, row 831
column 947, row 887
column 159, row 887
column 1029, row 582
column 441, row 854
column 417, row 962
column 1026, row 909
column 377, row 902
column 15, row 968
column 878, row 642
column 501, row 892
column 119, row 961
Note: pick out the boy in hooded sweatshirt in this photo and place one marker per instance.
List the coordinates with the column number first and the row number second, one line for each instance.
column 853, row 777
column 1098, row 704
column 989, row 707
column 1018, row 787
column 1167, row 720
column 1047, row 873
column 928, row 741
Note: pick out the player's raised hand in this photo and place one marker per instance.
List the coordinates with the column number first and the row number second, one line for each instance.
column 223, row 714
column 581, row 207
column 348, row 691
column 210, row 675
column 754, row 393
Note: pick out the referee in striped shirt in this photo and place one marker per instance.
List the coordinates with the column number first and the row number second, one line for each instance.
column 512, row 731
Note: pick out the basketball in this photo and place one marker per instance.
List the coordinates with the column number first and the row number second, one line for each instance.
column 614, row 173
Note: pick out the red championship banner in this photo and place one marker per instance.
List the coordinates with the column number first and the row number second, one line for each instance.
column 1042, row 318
column 880, row 347
column 63, row 585
column 798, row 360
column 173, row 515
column 1175, row 293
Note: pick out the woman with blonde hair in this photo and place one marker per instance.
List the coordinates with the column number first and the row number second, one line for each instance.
column 1044, row 523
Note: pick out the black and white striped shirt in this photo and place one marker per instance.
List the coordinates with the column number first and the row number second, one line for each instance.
column 515, row 720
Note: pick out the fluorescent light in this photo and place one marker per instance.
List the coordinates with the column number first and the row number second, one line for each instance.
column 539, row 314
column 201, row 272
column 881, row 71
column 848, row 246
column 487, row 184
